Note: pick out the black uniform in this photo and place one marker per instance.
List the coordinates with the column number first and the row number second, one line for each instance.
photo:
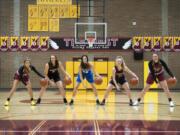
column 53, row 72
column 120, row 77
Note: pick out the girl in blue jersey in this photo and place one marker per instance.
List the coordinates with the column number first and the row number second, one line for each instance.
column 86, row 71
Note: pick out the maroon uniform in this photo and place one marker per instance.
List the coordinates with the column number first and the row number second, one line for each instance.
column 157, row 71
column 23, row 75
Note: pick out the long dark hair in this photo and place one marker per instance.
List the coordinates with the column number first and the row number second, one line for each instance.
column 56, row 62
column 85, row 65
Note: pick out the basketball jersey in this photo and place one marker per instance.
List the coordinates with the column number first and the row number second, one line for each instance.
column 158, row 68
column 53, row 69
column 118, row 73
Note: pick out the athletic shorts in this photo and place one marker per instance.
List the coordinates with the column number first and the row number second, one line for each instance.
column 121, row 80
column 88, row 76
column 24, row 79
column 150, row 79
column 55, row 77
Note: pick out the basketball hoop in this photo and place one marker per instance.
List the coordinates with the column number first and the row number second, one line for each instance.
column 91, row 41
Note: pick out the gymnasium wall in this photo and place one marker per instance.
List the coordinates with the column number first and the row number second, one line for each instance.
column 119, row 14
column 9, row 62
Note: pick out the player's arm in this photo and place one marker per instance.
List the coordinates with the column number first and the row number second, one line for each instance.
column 93, row 70
column 167, row 68
column 46, row 71
column 130, row 72
column 114, row 77
column 35, row 71
column 63, row 70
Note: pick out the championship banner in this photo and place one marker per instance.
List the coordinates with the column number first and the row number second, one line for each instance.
column 44, row 43
column 137, row 43
column 43, row 11
column 73, row 11
column 43, row 24
column 54, row 2
column 147, row 43
column 53, row 11
column 64, row 11
column 167, row 43
column 24, row 43
column 176, row 45
column 34, row 43
column 54, row 25
column 33, row 11
column 33, row 24
column 157, row 43
column 3, row 44
column 14, row 43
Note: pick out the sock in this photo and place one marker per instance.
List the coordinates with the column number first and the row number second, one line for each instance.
column 170, row 99
column 139, row 99
column 97, row 98
column 32, row 99
column 130, row 100
column 104, row 100
column 8, row 99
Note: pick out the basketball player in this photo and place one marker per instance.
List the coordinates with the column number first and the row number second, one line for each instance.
column 86, row 71
column 52, row 75
column 118, row 77
column 157, row 69
column 22, row 74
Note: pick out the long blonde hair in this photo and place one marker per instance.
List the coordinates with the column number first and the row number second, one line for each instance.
column 123, row 62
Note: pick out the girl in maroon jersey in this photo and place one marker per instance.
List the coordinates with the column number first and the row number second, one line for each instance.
column 157, row 67
column 119, row 78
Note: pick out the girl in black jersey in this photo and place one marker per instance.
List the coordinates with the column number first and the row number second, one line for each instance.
column 53, row 77
column 156, row 68
column 22, row 74
column 118, row 77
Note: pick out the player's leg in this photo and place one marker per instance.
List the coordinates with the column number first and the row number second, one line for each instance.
column 108, row 89
column 149, row 82
column 13, row 89
column 30, row 91
column 128, row 92
column 89, row 77
column 167, row 91
column 62, row 91
column 74, row 92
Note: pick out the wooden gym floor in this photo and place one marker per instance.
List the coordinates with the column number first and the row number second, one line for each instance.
column 85, row 117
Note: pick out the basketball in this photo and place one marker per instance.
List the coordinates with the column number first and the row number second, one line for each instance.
column 67, row 81
column 43, row 82
column 98, row 80
column 134, row 81
column 171, row 81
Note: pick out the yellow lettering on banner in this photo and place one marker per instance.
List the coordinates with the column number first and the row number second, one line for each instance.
column 33, row 11
column 64, row 11
column 33, row 24
column 43, row 24
column 54, row 25
column 53, row 2
column 43, row 11
column 73, row 11
column 53, row 11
